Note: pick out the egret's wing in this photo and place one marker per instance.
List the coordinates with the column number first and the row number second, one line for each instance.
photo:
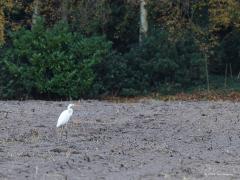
column 63, row 118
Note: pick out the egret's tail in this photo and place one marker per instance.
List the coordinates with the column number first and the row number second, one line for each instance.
column 58, row 125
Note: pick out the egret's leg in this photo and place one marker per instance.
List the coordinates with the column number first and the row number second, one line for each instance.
column 59, row 133
column 62, row 129
column 66, row 131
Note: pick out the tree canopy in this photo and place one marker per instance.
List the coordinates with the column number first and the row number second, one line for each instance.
column 41, row 40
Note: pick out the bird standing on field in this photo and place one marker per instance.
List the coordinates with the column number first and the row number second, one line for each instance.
column 65, row 117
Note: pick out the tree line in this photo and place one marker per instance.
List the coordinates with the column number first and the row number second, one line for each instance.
column 92, row 48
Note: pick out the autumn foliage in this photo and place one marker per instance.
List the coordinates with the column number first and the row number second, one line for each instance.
column 188, row 43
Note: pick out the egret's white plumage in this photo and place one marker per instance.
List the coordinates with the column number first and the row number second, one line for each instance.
column 65, row 116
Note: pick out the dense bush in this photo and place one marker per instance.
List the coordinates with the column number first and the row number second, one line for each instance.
column 51, row 62
column 158, row 64
column 56, row 63
column 229, row 52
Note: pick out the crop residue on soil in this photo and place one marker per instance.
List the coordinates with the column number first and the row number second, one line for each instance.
column 144, row 140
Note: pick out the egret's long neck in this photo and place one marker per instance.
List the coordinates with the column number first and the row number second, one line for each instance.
column 70, row 109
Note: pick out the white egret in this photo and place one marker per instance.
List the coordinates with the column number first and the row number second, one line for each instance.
column 65, row 117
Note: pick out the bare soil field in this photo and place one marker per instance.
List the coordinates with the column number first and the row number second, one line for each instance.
column 147, row 140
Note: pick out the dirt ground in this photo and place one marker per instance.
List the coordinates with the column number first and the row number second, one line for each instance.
column 148, row 139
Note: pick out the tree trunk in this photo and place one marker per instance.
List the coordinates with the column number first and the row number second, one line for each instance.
column 143, row 21
column 36, row 5
column 64, row 10
column 2, row 23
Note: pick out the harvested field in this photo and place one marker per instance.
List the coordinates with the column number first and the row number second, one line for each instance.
column 147, row 139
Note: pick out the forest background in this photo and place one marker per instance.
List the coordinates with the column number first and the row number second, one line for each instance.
column 71, row 49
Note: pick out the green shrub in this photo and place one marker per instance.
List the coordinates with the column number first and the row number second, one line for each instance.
column 190, row 61
column 51, row 62
column 56, row 63
column 116, row 76
column 157, row 63
column 229, row 52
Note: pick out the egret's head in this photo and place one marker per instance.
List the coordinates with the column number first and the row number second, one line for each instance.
column 70, row 105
